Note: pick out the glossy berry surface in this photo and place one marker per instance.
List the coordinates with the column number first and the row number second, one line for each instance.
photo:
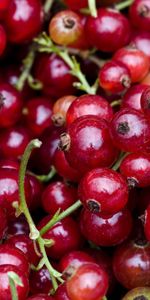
column 131, row 264
column 10, row 105
column 3, row 39
column 58, row 195
column 140, row 14
column 25, row 14
column 106, row 230
column 91, row 280
column 89, row 104
column 65, row 27
column 5, row 292
column 114, row 77
column 130, row 130
column 65, row 235
column 132, row 98
column 3, row 224
column 40, row 281
column 38, row 112
column 74, row 259
column 141, row 41
column 145, row 102
column 87, row 144
column 135, row 167
column 61, row 293
column 109, row 31
column 103, row 191
column 147, row 222
column 135, row 60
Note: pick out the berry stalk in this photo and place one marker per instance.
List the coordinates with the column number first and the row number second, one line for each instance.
column 14, row 280
column 124, row 4
column 92, row 8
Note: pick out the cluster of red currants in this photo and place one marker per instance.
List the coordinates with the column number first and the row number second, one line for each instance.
column 75, row 211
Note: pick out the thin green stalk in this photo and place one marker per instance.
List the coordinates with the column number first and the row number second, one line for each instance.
column 48, row 177
column 14, row 280
column 115, row 103
column 116, row 166
column 47, row 6
column 124, row 4
column 59, row 217
column 27, row 66
column 92, row 8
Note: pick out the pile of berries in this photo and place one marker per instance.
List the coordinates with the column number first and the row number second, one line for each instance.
column 74, row 149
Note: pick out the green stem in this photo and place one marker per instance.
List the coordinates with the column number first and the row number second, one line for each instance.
column 13, row 289
column 92, row 8
column 34, row 233
column 118, row 163
column 123, row 4
column 27, row 66
column 48, row 177
column 60, row 216
column 47, row 6
column 115, row 103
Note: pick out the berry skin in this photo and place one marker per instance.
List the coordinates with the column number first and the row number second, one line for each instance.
column 147, row 223
column 109, row 31
column 3, row 224
column 10, row 105
column 106, row 230
column 4, row 5
column 65, row 28
column 103, row 190
column 130, row 130
column 60, row 109
column 135, row 60
column 141, row 41
column 74, row 260
column 3, row 39
column 132, row 98
column 91, row 280
column 135, row 167
column 140, row 293
column 5, row 292
column 145, row 102
column 58, row 195
column 40, row 281
column 40, row 297
column 140, row 14
column 114, row 77
column 76, row 5
column 89, row 104
column 64, row 168
column 87, row 144
column 23, row 20
column 18, row 226
column 131, row 264
column 54, row 74
column 38, row 112
column 61, row 293
column 65, row 235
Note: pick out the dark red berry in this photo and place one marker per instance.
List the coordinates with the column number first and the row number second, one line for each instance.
column 132, row 98
column 3, row 223
column 3, row 38
column 147, row 223
column 140, row 14
column 141, row 41
column 40, row 281
column 74, row 260
column 145, row 102
column 40, row 297
column 103, row 190
column 61, row 293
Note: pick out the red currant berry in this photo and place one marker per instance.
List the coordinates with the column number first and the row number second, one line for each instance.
column 61, row 293
column 131, row 264
column 40, row 281
column 140, row 293
column 103, row 190
column 89, row 105
column 23, row 20
column 145, row 102
column 38, row 112
column 65, row 27
column 24, row 244
column 74, row 260
column 140, row 14
column 10, row 255
column 60, row 109
column 132, row 98
column 58, row 195
column 64, row 169
column 3, row 224
column 13, row 141
column 40, row 297
column 3, row 39
column 4, row 5
column 130, row 130
column 65, row 234
column 91, row 280
column 5, row 291
column 147, row 223
column 76, row 5
column 87, row 144
column 106, row 230
column 109, row 31
column 10, row 105
column 136, row 169
column 141, row 41
column 34, row 201
column 135, row 60
column 9, row 164
column 114, row 77
column 18, row 226
column 55, row 75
